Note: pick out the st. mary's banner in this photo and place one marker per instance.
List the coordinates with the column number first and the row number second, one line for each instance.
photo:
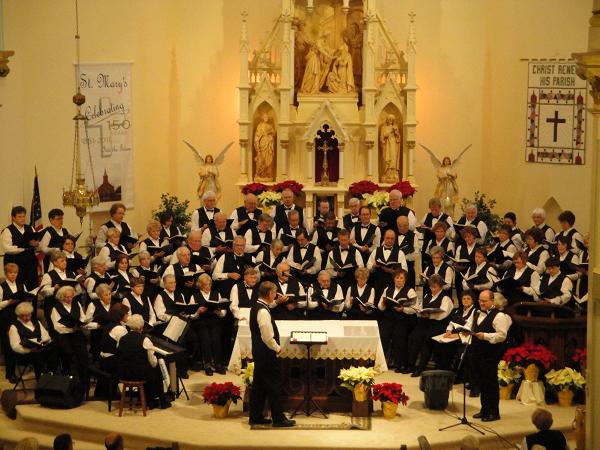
column 556, row 123
column 109, row 131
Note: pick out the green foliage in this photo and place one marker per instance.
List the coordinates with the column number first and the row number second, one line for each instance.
column 485, row 212
column 171, row 203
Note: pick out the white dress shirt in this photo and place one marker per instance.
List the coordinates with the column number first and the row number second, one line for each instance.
column 15, row 338
column 267, row 334
column 501, row 324
column 137, row 298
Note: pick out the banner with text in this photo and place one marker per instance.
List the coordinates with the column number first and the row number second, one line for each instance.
column 108, row 133
column 556, row 100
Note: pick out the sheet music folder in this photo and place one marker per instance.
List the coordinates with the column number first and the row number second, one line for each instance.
column 308, row 337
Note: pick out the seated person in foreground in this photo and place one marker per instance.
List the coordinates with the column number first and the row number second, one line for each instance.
column 545, row 437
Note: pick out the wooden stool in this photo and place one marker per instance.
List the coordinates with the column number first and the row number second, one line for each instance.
column 130, row 386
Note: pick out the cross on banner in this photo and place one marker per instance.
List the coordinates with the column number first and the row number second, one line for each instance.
column 555, row 120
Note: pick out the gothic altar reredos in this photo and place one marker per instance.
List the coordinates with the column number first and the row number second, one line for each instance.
column 327, row 99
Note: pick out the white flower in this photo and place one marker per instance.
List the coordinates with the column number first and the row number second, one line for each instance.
column 377, row 200
column 357, row 375
column 566, row 378
column 247, row 374
column 269, row 198
column 506, row 375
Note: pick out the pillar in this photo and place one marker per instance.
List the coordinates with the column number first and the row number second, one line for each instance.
column 311, row 163
column 341, row 148
column 370, row 159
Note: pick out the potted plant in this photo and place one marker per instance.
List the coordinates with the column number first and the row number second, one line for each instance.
column 565, row 382
column 358, row 380
column 404, row 187
column 220, row 396
column 579, row 359
column 359, row 188
column 390, row 395
column 268, row 200
column 247, row 376
column 507, row 378
column 254, row 188
column 531, row 359
column 170, row 203
column 377, row 200
column 295, row 187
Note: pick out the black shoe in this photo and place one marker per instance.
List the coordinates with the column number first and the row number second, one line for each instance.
column 467, row 385
column 261, row 421
column 400, row 369
column 408, row 369
column 152, row 404
column 221, row 370
column 474, row 393
column 478, row 415
column 208, row 371
column 490, row 417
column 416, row 373
column 164, row 404
column 285, row 423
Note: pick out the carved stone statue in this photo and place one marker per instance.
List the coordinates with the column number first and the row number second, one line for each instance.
column 209, row 170
column 389, row 141
column 447, row 186
column 353, row 38
column 301, row 46
column 318, row 61
column 341, row 79
column 264, row 145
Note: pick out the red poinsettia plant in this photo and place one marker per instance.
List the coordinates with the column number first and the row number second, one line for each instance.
column 358, row 188
column 255, row 188
column 221, row 393
column 528, row 353
column 295, row 187
column 579, row 357
column 403, row 186
column 389, row 392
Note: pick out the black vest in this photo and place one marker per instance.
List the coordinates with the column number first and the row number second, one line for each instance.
column 481, row 277
column 323, row 238
column 203, row 217
column 293, row 287
column 428, row 222
column 533, row 256
column 243, row 300
column 25, row 333
column 133, row 357
column 281, row 218
column 125, row 230
column 297, row 257
column 407, row 244
column 21, row 240
column 256, row 240
column 267, row 258
column 114, row 253
column 170, row 307
column 463, row 253
column 173, row 231
column 56, row 240
column 365, row 295
column 107, row 343
column 568, row 234
column 260, row 352
column 200, row 257
column 389, row 311
column 393, row 254
column 433, row 302
column 349, row 221
column 6, row 291
column 101, row 315
column 143, row 310
column 106, row 279
column 352, row 252
column 215, row 236
column 459, row 317
column 389, row 216
column 444, row 244
column 551, row 290
column 75, row 312
column 549, row 439
column 235, row 263
column 369, row 235
column 242, row 214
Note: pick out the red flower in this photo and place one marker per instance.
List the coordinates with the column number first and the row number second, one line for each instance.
column 221, row 393
column 389, row 392
column 359, row 188
column 254, row 188
column 404, row 187
column 288, row 184
column 529, row 354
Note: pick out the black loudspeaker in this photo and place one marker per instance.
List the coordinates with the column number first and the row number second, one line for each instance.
column 436, row 384
column 58, row 391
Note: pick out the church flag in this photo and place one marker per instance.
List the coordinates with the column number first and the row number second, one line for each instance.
column 35, row 213
column 107, row 137
column 556, row 109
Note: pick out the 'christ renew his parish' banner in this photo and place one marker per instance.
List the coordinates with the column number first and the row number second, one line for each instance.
column 556, row 100
column 108, row 133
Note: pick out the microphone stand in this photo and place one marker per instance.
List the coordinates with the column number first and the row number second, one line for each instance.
column 463, row 420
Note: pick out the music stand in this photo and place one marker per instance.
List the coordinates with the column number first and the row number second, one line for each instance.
column 463, row 420
column 307, row 402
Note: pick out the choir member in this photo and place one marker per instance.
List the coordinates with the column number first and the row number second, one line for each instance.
column 204, row 216
column 165, row 302
column 465, row 256
column 138, row 303
column 408, row 243
column 350, row 220
column 97, row 317
column 53, row 280
column 323, row 210
column 389, row 215
column 287, row 233
column 569, row 261
column 207, row 323
column 527, row 281
column 169, row 231
column 398, row 320
column 53, row 236
column 19, row 241
column 112, row 248
column 480, row 275
column 137, row 362
column 343, row 260
column 8, row 304
column 68, row 248
column 434, row 216
column 440, row 239
column 555, row 287
column 121, row 277
column 152, row 244
column 325, row 236
column 329, row 298
column 580, row 293
column 516, row 235
column 431, row 321
column 260, row 237
column 267, row 375
column 268, row 259
column 244, row 293
column 502, row 253
column 385, row 261
column 184, row 271
column 539, row 221
column 126, row 235
column 438, row 267
column 291, row 302
column 99, row 275
column 490, row 328
column 536, row 253
column 67, row 318
column 360, row 297
column 470, row 218
column 364, row 235
column 218, row 237
column 230, row 267
column 245, row 217
column 149, row 272
column 304, row 257
column 29, row 339
column 567, row 220
column 281, row 212
column 200, row 254
column 112, row 333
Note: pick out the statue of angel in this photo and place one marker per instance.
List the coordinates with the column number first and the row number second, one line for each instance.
column 209, row 170
column 447, row 187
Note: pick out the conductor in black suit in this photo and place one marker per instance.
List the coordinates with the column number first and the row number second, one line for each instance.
column 265, row 347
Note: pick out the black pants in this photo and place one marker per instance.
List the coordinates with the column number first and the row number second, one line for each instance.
column 420, row 343
column 152, row 377
column 72, row 349
column 104, row 387
column 394, row 332
column 7, row 317
column 485, row 375
column 209, row 331
column 266, row 384
column 44, row 360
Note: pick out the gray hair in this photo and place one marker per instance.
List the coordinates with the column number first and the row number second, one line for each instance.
column 539, row 212
column 209, row 194
column 437, row 250
column 396, row 193
column 435, row 202
column 181, row 250
column 60, row 295
column 194, row 233
column 27, row 444
column 143, row 253
column 239, row 238
column 168, row 277
column 99, row 260
column 293, row 212
column 277, row 243
column 102, row 289
column 471, row 206
column 324, row 273
column 353, row 201
column 24, row 308
column 136, row 322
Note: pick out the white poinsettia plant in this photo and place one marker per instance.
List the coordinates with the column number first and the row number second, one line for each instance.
column 357, row 375
column 268, row 199
column 247, row 374
column 566, row 378
column 377, row 200
column 506, row 375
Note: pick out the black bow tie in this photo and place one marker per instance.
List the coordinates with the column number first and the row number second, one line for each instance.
column 364, row 226
column 282, row 283
column 210, row 210
column 387, row 248
column 303, row 247
column 288, row 208
column 343, row 250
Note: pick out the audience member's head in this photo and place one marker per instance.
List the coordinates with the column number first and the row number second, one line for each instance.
column 114, row 441
column 542, row 419
column 27, row 444
column 63, row 442
column 469, row 442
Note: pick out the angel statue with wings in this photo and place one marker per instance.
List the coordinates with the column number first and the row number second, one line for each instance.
column 209, row 170
column 447, row 187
